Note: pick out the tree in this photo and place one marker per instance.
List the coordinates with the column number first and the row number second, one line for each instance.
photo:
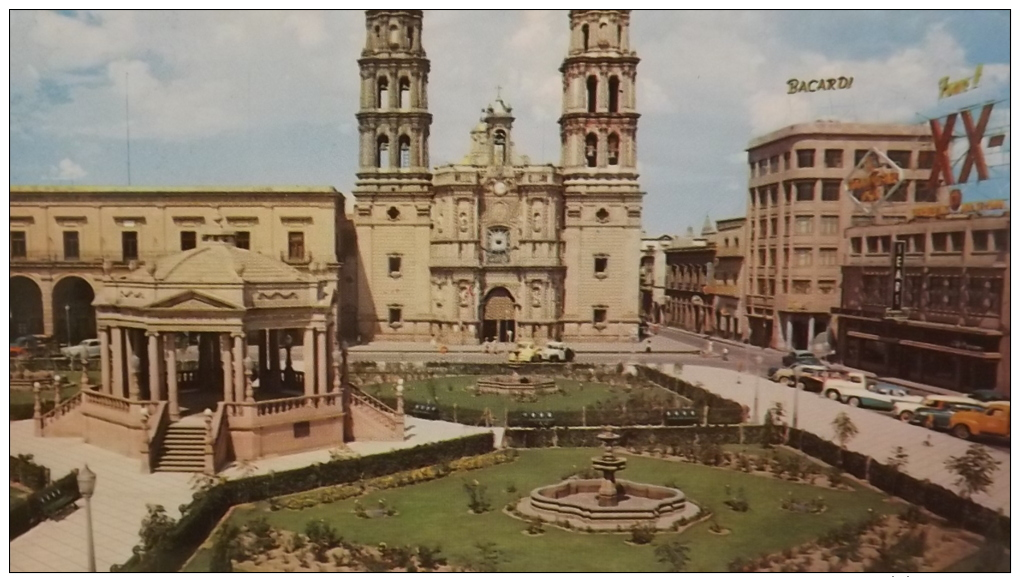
column 898, row 459
column 973, row 470
column 156, row 525
column 224, row 547
column 844, row 428
column 676, row 554
column 322, row 536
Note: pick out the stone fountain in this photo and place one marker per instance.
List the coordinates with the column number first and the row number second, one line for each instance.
column 609, row 502
column 515, row 385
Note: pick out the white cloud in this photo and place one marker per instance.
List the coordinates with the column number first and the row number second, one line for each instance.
column 67, row 169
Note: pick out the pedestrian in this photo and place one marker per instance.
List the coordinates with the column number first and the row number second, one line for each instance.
column 725, row 354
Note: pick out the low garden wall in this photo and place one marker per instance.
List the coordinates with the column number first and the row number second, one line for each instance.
column 202, row 515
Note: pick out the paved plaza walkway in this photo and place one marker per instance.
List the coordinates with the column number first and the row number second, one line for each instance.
column 658, row 343
column 878, row 433
column 123, row 491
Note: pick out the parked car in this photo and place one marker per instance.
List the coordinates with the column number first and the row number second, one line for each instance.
column 89, row 349
column 993, row 421
column 988, row 395
column 554, row 351
column 937, row 416
column 785, row 375
column 524, row 353
column 31, row 345
column 801, row 358
column 859, row 391
column 904, row 409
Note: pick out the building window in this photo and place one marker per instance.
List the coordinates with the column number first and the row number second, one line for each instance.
column 830, row 225
column 801, row 287
column 956, row 241
column 901, row 193
column 296, row 245
column 833, row 158
column 763, row 166
column 925, row 159
column 599, row 315
column 129, row 245
column 786, row 161
column 404, row 145
column 873, row 245
column 71, row 246
column 591, row 150
column 830, row 190
column 855, row 245
column 827, row 257
column 923, row 192
column 19, row 247
column 803, row 257
column 394, row 263
column 980, row 238
column 885, row 244
column 859, row 155
column 242, row 239
column 805, row 158
column 395, row 315
column 804, row 225
column 805, row 191
column 900, row 158
column 614, row 94
column 601, row 264
column 1001, row 238
column 593, row 90
column 916, row 244
column 826, row 287
column 761, row 257
column 405, row 94
column 382, row 93
column 774, row 195
column 774, row 165
column 382, row 151
column 939, row 242
column 613, row 144
column 189, row 240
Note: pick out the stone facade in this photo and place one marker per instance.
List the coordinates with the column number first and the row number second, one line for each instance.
column 653, row 276
column 494, row 246
column 798, row 208
column 953, row 329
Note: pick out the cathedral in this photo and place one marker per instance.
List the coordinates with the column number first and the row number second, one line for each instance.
column 494, row 247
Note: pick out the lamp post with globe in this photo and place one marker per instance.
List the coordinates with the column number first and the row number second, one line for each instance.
column 757, row 378
column 87, row 488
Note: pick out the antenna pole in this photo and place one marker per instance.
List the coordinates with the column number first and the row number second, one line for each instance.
column 127, row 120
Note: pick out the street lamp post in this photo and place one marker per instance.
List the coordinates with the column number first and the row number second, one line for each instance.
column 757, row 378
column 796, row 394
column 67, row 318
column 87, row 487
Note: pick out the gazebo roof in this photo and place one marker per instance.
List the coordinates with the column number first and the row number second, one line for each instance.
column 219, row 263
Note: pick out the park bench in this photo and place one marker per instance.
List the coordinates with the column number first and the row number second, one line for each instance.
column 681, row 417
column 537, row 419
column 424, row 411
column 57, row 501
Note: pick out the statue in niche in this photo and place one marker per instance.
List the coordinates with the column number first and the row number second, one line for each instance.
column 465, row 293
column 464, row 223
column 536, row 294
column 440, row 217
column 536, row 223
column 439, row 292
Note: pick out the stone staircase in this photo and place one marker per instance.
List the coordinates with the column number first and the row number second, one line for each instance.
column 183, row 449
column 374, row 420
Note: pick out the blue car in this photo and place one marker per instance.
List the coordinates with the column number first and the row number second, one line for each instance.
column 937, row 417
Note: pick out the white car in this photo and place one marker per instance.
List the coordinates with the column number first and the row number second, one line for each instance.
column 904, row 410
column 87, row 349
column 858, row 391
column 555, row 351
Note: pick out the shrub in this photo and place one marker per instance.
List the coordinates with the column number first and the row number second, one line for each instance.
column 322, row 537
column 430, row 558
column 489, row 557
column 263, row 538
column 156, row 526
column 478, row 501
column 535, row 527
column 675, row 554
column 641, row 533
column 224, row 549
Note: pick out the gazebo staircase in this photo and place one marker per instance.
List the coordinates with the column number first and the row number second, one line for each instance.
column 183, row 449
column 373, row 419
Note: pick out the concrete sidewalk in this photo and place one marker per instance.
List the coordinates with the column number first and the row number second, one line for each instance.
column 658, row 344
column 123, row 491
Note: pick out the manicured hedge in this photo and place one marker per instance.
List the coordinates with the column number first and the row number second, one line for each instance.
column 720, row 410
column 632, row 436
column 203, row 514
column 28, row 473
column 29, row 513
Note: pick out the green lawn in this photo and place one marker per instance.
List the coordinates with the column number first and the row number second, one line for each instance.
column 457, row 390
column 25, row 396
column 436, row 513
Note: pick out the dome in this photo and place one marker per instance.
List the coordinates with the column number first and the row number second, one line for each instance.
column 219, row 263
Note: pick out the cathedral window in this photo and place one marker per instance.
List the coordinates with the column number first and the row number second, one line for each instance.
column 394, row 265
column 405, row 151
column 614, row 94
column 382, row 151
column 395, row 315
column 599, row 315
column 382, row 93
column 619, row 35
column 410, row 37
column 591, row 150
column 593, row 90
column 393, row 213
column 584, row 36
column 499, row 147
column 405, row 93
column 601, row 265
column 602, row 215
column 613, row 143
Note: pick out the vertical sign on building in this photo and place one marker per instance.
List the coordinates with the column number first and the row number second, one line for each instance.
column 899, row 256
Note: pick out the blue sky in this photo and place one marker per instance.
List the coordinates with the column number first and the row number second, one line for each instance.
column 243, row 98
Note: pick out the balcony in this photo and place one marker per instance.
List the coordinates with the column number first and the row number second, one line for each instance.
column 297, row 258
column 43, row 257
column 729, row 251
column 723, row 290
column 760, row 301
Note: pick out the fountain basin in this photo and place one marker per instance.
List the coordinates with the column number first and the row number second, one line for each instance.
column 576, row 502
column 516, row 385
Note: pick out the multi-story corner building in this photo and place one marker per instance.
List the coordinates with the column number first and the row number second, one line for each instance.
column 494, row 247
column 67, row 242
column 798, row 208
column 689, row 270
column 653, row 276
column 726, row 286
column 953, row 328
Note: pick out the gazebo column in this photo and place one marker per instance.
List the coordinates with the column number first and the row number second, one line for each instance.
column 133, row 392
column 274, row 359
column 170, row 350
column 117, row 362
column 320, row 360
column 239, row 354
column 155, row 386
column 104, row 360
column 228, row 366
column 308, row 361
column 263, row 371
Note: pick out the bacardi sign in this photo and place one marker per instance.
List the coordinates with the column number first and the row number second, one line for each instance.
column 899, row 262
column 873, row 180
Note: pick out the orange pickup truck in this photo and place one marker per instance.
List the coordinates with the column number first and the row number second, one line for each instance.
column 993, row 421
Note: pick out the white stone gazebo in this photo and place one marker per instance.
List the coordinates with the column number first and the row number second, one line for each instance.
column 233, row 405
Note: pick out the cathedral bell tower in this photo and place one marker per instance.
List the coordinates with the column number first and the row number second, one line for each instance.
column 602, row 198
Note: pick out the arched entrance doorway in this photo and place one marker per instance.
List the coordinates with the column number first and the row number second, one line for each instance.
column 26, row 308
column 498, row 316
column 74, row 318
